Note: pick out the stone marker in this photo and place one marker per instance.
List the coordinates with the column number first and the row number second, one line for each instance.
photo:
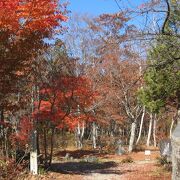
column 120, row 150
column 147, row 154
column 165, row 148
column 175, row 140
column 66, row 157
column 91, row 159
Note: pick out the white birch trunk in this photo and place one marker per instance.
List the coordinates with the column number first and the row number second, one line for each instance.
column 82, row 130
column 171, row 128
column 94, row 135
column 154, row 131
column 132, row 137
column 80, row 135
column 150, row 129
column 78, row 131
column 140, row 129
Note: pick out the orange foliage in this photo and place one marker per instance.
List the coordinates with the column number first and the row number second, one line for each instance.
column 23, row 26
column 20, row 16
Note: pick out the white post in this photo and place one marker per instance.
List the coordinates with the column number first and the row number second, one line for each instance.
column 33, row 163
column 33, row 154
column 33, row 151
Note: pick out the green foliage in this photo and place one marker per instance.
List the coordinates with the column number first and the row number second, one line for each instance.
column 162, row 78
column 41, row 171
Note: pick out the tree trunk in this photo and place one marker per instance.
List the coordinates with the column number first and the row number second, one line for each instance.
column 38, row 148
column 82, row 131
column 45, row 147
column 150, row 129
column 52, row 146
column 140, row 129
column 154, row 131
column 2, row 132
column 94, row 135
column 37, row 121
column 79, row 135
column 6, row 150
column 132, row 137
column 171, row 128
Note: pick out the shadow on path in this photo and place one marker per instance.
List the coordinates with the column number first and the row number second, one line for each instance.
column 84, row 168
column 78, row 153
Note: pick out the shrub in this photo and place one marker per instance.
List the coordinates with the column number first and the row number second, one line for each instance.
column 163, row 161
column 41, row 171
column 128, row 159
column 138, row 148
column 10, row 170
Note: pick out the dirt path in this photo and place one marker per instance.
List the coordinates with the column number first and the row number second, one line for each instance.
column 107, row 171
column 130, row 172
column 108, row 167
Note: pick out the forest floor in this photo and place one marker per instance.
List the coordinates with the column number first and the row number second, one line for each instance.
column 102, row 166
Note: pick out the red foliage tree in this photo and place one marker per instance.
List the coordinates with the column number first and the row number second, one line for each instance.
column 23, row 26
column 65, row 104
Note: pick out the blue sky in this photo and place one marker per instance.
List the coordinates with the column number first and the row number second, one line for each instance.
column 96, row 7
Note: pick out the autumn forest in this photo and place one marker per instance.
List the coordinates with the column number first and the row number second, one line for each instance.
column 75, row 88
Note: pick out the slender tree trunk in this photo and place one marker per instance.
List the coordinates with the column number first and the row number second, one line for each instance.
column 150, row 129
column 154, row 130
column 38, row 148
column 112, row 128
column 6, row 151
column 171, row 127
column 82, row 134
column 140, row 129
column 45, row 146
column 52, row 145
column 94, row 135
column 82, row 131
column 79, row 135
column 37, row 120
column 132, row 137
column 2, row 131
